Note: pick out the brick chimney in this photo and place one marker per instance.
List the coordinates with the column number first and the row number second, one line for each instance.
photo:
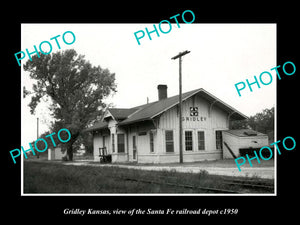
column 162, row 91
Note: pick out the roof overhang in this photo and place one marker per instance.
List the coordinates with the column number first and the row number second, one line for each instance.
column 97, row 126
column 145, row 114
column 234, row 114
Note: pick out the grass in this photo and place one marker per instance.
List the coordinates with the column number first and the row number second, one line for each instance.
column 43, row 177
column 223, row 163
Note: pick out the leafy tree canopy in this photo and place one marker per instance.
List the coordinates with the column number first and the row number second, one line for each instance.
column 76, row 88
column 262, row 122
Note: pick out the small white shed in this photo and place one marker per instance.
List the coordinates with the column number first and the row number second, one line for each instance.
column 56, row 153
column 242, row 139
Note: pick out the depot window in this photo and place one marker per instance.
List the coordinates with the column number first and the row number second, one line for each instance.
column 188, row 140
column 201, row 140
column 219, row 140
column 169, row 141
column 121, row 143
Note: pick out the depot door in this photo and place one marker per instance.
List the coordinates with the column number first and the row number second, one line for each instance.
column 134, row 149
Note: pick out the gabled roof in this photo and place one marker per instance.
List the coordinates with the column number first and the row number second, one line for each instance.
column 151, row 110
column 121, row 113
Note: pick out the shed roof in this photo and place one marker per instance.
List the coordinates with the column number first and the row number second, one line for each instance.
column 245, row 132
column 99, row 125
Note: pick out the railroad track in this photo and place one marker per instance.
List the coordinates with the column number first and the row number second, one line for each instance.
column 252, row 184
column 249, row 183
column 163, row 180
column 188, row 186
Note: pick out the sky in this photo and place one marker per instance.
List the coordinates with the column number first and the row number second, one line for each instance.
column 221, row 55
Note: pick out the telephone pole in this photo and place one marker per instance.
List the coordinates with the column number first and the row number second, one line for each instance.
column 180, row 54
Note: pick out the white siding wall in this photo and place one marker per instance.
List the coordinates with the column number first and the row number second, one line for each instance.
column 51, row 154
column 56, row 154
column 235, row 143
column 59, row 154
column 142, row 143
column 206, row 122
column 116, row 156
column 97, row 143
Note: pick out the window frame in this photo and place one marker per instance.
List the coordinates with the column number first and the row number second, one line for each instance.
column 219, row 146
column 168, row 142
column 121, row 144
column 198, row 140
column 151, row 141
column 134, row 147
column 185, row 141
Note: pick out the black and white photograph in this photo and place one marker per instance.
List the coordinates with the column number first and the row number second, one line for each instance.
column 122, row 105
column 159, row 113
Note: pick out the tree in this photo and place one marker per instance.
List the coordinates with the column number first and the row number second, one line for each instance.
column 238, row 124
column 75, row 87
column 262, row 122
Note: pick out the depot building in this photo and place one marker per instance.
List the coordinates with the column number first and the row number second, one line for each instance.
column 149, row 133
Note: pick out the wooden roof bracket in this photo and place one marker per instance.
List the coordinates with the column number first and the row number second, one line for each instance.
column 210, row 107
column 229, row 115
column 155, row 121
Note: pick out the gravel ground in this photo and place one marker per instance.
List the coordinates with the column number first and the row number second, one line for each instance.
column 220, row 167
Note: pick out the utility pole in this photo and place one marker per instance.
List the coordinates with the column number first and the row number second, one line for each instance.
column 180, row 54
